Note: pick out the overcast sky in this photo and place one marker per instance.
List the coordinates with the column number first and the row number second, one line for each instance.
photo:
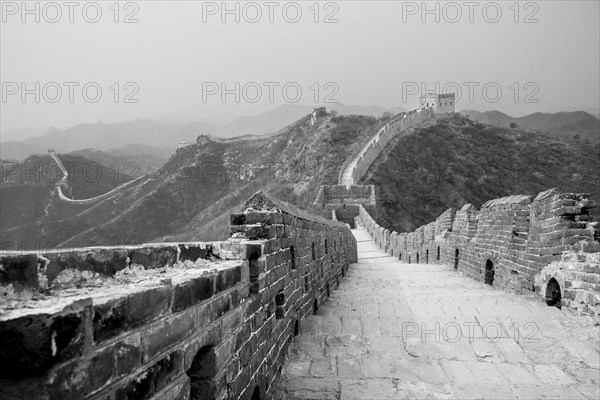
column 377, row 53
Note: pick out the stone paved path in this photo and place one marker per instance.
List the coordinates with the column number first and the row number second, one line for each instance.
column 415, row 331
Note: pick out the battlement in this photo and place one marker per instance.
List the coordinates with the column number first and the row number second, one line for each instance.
column 513, row 243
column 168, row 320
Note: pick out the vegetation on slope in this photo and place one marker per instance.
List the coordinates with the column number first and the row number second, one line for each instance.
column 191, row 196
column 459, row 161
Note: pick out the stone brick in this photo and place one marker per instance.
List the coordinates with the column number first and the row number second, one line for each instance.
column 153, row 379
column 33, row 343
column 118, row 315
column 159, row 338
column 192, row 292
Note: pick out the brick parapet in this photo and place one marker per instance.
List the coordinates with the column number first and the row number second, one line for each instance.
column 519, row 236
column 237, row 303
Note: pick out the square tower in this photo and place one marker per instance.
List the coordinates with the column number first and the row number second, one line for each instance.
column 441, row 103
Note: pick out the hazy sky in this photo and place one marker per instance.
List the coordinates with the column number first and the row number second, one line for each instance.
column 377, row 53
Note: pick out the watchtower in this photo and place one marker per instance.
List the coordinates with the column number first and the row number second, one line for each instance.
column 441, row 103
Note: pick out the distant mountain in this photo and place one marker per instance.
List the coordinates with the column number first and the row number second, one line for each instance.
column 564, row 125
column 102, row 136
column 266, row 122
column 18, row 151
column 132, row 164
column 137, row 148
column 16, row 134
column 162, row 137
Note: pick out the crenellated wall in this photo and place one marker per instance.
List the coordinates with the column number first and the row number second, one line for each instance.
column 513, row 243
column 168, row 320
column 359, row 163
column 341, row 201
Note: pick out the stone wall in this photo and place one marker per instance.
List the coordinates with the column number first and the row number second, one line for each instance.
column 168, row 321
column 344, row 201
column 513, row 243
column 375, row 146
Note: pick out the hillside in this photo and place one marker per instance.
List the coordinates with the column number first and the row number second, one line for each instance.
column 191, row 196
column 27, row 191
column 578, row 125
column 459, row 161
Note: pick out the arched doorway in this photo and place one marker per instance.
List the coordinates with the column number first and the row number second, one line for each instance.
column 489, row 272
column 456, row 258
column 255, row 393
column 553, row 295
column 202, row 373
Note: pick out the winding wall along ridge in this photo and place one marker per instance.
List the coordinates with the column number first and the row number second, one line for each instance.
column 64, row 182
column 513, row 243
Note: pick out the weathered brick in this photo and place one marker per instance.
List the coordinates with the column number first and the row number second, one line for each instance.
column 153, row 379
column 154, row 257
column 192, row 292
column 20, row 270
column 121, row 314
column 33, row 343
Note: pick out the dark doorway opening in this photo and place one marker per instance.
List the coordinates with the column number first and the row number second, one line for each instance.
column 296, row 328
column 349, row 221
column 400, row 257
column 417, row 258
column 315, row 306
column 438, row 254
column 256, row 394
column 553, row 296
column 293, row 256
column 456, row 258
column 202, row 373
column 426, row 256
column 489, row 272
column 254, row 272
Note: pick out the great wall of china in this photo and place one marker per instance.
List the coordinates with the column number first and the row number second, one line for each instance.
column 172, row 320
column 64, row 181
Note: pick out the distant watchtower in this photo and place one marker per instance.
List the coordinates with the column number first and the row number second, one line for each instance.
column 441, row 103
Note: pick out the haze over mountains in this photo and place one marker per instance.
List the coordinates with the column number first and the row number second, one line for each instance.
column 192, row 195
column 161, row 138
column 564, row 125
